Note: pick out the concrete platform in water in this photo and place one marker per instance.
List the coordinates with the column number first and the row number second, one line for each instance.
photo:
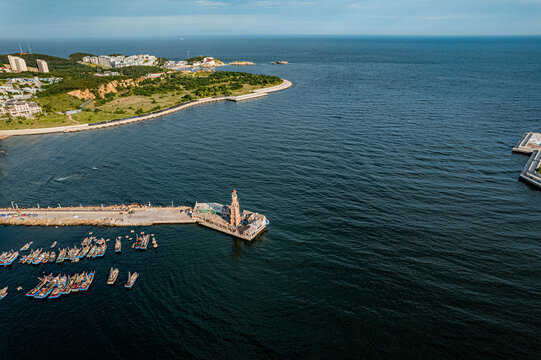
column 529, row 174
column 212, row 215
column 530, row 143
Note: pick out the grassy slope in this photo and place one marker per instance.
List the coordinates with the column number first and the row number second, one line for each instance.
column 127, row 104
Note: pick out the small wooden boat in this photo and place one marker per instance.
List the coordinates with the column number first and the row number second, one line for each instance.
column 26, row 246
column 118, row 245
column 131, row 280
column 113, row 275
column 3, row 292
column 53, row 245
column 154, row 243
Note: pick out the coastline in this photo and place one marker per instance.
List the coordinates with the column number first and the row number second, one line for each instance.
column 105, row 124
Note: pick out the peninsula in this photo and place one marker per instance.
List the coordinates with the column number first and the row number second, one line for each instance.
column 86, row 92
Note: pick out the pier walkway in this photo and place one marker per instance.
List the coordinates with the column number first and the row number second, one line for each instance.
column 129, row 215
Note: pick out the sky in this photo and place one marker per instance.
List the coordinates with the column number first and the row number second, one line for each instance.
column 135, row 18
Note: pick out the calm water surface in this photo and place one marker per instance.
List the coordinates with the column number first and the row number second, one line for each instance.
column 397, row 225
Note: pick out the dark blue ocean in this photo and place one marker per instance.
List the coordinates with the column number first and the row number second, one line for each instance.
column 398, row 227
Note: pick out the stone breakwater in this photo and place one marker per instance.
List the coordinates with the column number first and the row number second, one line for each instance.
column 104, row 124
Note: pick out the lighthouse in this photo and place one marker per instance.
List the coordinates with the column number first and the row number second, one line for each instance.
column 235, row 211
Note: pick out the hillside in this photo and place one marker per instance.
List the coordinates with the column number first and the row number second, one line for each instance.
column 54, row 63
column 79, row 56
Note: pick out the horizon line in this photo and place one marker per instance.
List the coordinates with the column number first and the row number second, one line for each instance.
column 280, row 35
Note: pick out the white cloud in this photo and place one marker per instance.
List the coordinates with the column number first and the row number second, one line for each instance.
column 267, row 3
column 364, row 5
column 209, row 3
column 270, row 3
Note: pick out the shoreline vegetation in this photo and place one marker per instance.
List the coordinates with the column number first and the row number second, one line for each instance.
column 123, row 121
column 138, row 92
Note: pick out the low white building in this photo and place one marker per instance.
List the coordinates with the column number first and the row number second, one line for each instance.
column 23, row 108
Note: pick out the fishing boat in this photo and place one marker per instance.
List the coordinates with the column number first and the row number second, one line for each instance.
column 58, row 290
column 3, row 292
column 113, row 275
column 77, row 283
column 61, row 255
column 118, row 245
column 82, row 253
column 87, row 281
column 86, row 241
column 69, row 285
column 33, row 256
column 52, row 257
column 141, row 242
column 47, row 289
column 102, row 249
column 92, row 252
column 38, row 259
column 26, row 246
column 72, row 253
column 10, row 258
column 53, row 245
column 44, row 280
column 131, row 280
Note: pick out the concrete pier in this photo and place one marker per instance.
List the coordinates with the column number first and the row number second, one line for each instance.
column 529, row 142
column 529, row 174
column 132, row 215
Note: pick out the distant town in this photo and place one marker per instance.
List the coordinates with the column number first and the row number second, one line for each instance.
column 16, row 92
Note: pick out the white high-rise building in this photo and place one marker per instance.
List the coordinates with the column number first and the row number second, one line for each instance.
column 42, row 66
column 17, row 64
column 105, row 61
